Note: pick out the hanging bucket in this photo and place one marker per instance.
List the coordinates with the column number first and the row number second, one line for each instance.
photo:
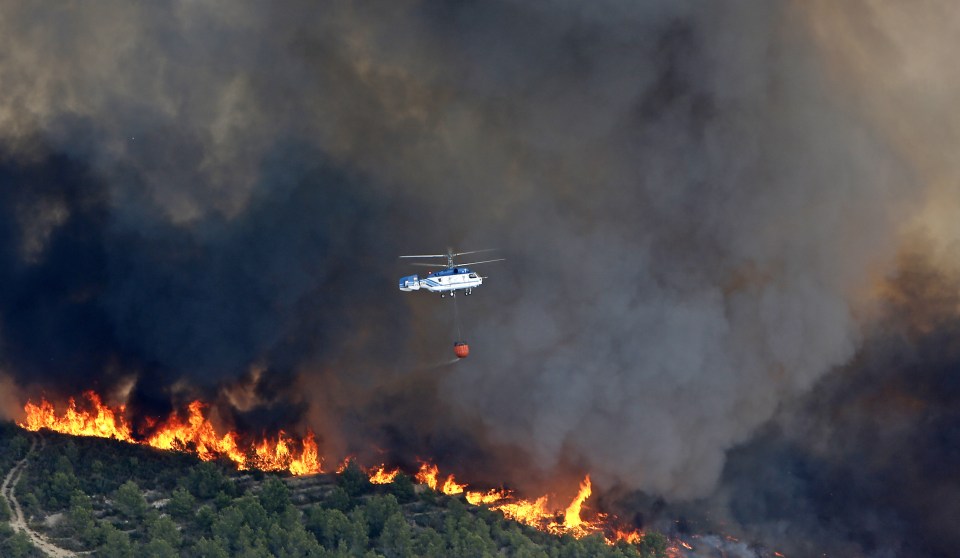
column 461, row 349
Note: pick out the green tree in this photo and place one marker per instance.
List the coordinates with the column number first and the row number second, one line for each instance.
column 377, row 509
column 338, row 499
column 96, row 481
column 291, row 541
column 181, row 503
column 354, row 481
column 429, row 544
column 227, row 526
column 163, row 528
column 29, row 502
column 594, row 545
column 129, row 501
column 19, row 446
column 159, row 548
column 222, row 500
column 4, row 510
column 254, row 516
column 335, row 530
column 402, row 488
column 116, row 543
column 62, row 485
column 17, row 546
column 205, row 480
column 207, row 548
column 396, row 540
column 204, row 519
column 64, row 464
column 653, row 545
column 274, row 496
column 81, row 521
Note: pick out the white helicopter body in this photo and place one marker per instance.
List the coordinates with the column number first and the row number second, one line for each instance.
column 454, row 277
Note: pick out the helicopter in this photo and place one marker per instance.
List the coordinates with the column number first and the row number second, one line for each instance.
column 452, row 278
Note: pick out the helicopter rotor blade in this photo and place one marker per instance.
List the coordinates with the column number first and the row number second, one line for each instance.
column 426, row 256
column 422, row 264
column 473, row 252
column 484, row 261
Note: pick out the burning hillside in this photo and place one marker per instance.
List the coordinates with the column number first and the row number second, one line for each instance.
column 299, row 456
column 195, row 434
column 698, row 202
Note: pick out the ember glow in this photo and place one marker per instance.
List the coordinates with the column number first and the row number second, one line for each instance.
column 195, row 433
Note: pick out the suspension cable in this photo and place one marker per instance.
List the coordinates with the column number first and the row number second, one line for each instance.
column 456, row 315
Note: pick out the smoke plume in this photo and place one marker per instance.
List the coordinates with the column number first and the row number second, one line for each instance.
column 697, row 203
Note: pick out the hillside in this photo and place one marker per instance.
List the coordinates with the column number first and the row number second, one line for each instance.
column 121, row 500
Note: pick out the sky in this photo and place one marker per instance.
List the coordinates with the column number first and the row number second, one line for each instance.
column 729, row 232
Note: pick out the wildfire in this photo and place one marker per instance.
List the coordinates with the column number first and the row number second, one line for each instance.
column 196, row 433
column 489, row 497
column 380, row 475
column 571, row 517
column 537, row 512
column 632, row 537
column 104, row 423
column 428, row 475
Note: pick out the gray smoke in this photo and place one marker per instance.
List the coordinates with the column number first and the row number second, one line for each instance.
column 693, row 207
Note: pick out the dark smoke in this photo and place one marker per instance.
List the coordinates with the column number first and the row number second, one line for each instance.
column 866, row 464
column 696, row 201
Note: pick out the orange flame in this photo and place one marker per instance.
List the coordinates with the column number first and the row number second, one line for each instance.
column 346, row 463
column 489, row 497
column 102, row 423
column 450, row 487
column 632, row 537
column 571, row 517
column 536, row 513
column 380, row 475
column 197, row 434
column 428, row 475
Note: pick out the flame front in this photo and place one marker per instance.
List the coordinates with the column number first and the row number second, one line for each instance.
column 196, row 434
column 428, row 475
column 103, row 422
column 536, row 513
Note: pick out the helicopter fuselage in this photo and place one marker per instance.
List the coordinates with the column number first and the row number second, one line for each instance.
column 443, row 281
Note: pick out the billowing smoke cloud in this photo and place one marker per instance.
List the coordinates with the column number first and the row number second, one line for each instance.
column 865, row 464
column 693, row 202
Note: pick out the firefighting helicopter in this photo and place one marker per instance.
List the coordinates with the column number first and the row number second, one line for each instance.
column 452, row 278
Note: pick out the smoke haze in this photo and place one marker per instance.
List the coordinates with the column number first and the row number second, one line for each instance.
column 699, row 203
